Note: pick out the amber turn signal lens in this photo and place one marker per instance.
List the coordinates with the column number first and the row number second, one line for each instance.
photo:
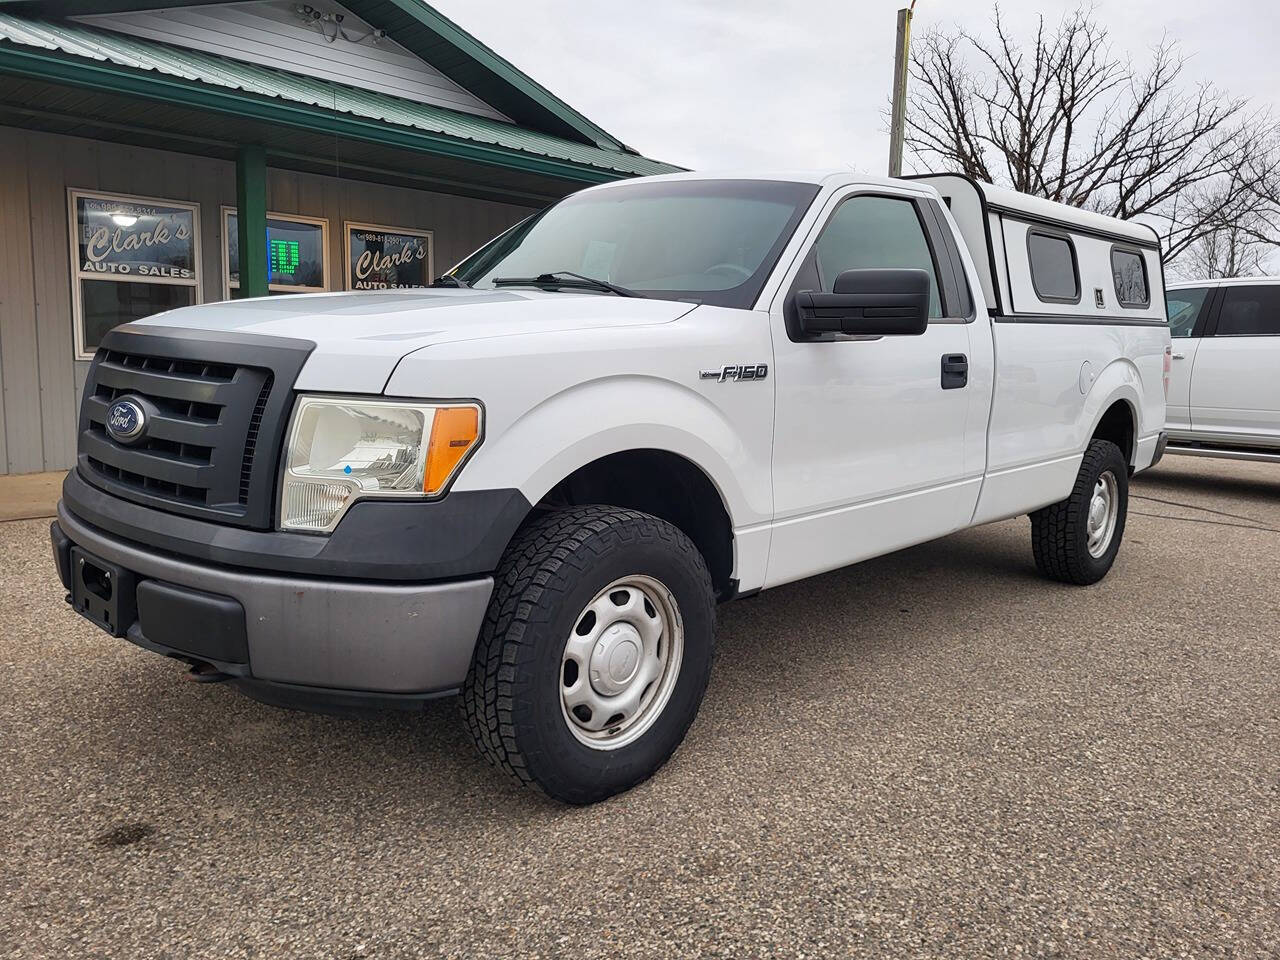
column 454, row 431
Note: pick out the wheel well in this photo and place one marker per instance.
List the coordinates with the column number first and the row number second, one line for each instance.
column 1117, row 426
column 665, row 485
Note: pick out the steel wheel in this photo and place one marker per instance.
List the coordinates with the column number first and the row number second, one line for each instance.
column 1103, row 510
column 1076, row 540
column 621, row 662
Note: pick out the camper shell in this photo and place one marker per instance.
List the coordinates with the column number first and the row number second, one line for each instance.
column 1034, row 248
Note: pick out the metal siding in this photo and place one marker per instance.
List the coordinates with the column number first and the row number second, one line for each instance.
column 81, row 163
column 282, row 192
column 4, row 443
column 331, row 194
column 41, row 383
column 50, row 255
column 271, row 35
column 19, row 348
column 458, row 224
column 219, row 189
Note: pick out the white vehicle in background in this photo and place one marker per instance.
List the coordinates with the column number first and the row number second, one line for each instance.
column 531, row 485
column 1224, row 388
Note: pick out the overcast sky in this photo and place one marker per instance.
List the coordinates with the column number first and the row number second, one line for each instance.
column 738, row 83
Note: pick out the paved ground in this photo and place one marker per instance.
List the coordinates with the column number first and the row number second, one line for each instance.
column 931, row 754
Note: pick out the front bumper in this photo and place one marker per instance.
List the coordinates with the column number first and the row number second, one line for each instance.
column 312, row 639
column 462, row 535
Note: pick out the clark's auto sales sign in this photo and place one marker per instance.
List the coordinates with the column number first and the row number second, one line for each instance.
column 380, row 258
column 133, row 239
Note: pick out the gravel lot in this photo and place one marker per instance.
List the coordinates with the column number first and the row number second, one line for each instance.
column 934, row 753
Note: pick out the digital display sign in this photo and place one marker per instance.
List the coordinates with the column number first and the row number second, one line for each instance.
column 285, row 256
column 295, row 253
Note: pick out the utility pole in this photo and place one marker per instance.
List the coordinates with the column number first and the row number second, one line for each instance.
column 897, row 125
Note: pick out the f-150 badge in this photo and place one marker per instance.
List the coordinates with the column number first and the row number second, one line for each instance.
column 736, row 372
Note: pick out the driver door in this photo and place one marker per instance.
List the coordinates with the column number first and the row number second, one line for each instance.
column 869, row 447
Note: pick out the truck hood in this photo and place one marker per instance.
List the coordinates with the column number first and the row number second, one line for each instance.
column 360, row 337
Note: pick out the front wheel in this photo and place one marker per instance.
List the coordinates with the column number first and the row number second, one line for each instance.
column 1076, row 539
column 595, row 652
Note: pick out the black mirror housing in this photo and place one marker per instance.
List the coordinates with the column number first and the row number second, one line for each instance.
column 878, row 302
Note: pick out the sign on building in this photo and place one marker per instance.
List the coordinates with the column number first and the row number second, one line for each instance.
column 133, row 257
column 381, row 258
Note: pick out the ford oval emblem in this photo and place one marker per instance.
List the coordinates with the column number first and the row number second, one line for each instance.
column 126, row 420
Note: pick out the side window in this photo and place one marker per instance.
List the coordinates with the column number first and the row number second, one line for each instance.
column 875, row 232
column 1183, row 307
column 1129, row 273
column 1053, row 267
column 1250, row 312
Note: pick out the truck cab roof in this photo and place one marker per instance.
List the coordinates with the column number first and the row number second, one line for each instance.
column 816, row 176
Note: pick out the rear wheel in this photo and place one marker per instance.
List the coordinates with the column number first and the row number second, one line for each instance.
column 1076, row 540
column 594, row 654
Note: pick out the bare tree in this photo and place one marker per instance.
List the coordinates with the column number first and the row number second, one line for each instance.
column 1232, row 250
column 1065, row 117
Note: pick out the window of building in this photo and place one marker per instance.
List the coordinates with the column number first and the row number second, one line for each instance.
column 1129, row 273
column 133, row 257
column 1184, row 307
column 869, row 232
column 381, row 258
column 1250, row 311
column 1053, row 267
column 296, row 253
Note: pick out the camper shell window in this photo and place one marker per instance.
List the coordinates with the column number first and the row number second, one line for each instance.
column 1129, row 273
column 1055, row 272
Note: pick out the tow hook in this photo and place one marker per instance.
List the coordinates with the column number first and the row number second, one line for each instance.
column 202, row 672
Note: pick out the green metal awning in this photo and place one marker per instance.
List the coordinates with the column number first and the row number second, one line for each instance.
column 78, row 56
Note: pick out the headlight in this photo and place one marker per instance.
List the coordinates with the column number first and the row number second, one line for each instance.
column 340, row 450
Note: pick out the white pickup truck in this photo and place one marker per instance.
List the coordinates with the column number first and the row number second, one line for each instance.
column 1224, row 400
column 531, row 485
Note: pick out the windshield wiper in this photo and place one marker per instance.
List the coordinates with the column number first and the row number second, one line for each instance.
column 576, row 280
column 449, row 280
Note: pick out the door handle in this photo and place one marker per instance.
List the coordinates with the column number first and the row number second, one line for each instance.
column 955, row 371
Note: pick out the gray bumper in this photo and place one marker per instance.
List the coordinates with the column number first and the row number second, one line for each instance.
column 341, row 635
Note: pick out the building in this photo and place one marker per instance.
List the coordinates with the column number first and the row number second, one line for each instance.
column 157, row 153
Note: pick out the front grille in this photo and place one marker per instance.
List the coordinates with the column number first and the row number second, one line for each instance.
column 214, row 420
column 251, row 439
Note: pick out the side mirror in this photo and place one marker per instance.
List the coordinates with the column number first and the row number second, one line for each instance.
column 881, row 303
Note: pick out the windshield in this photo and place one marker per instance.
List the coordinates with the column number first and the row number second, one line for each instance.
column 708, row 241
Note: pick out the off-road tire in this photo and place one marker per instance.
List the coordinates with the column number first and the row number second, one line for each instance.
column 1059, row 533
column 511, row 698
